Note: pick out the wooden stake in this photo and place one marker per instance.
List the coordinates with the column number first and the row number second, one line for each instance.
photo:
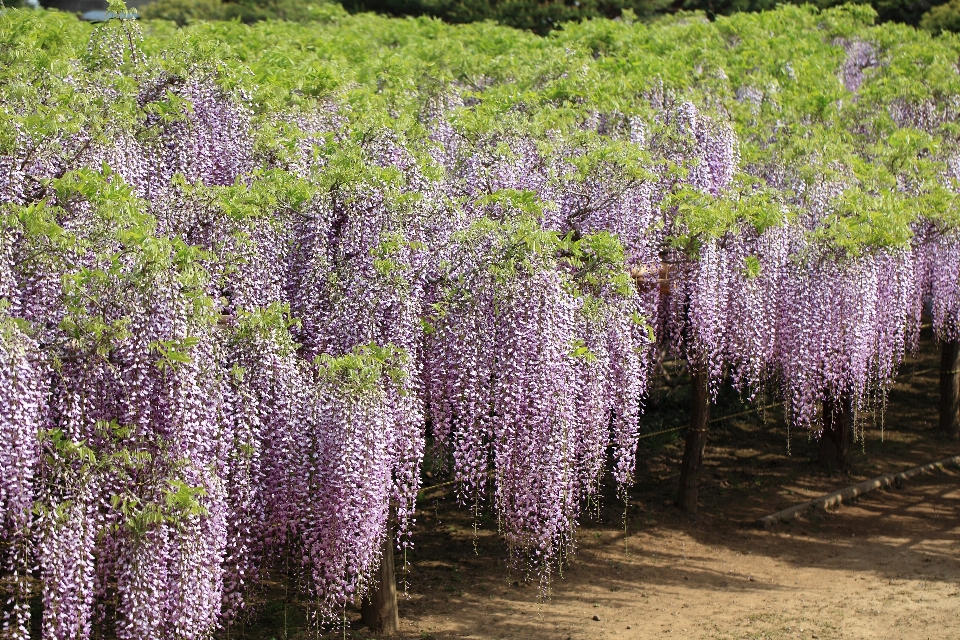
column 836, row 440
column 696, row 442
column 379, row 610
column 950, row 389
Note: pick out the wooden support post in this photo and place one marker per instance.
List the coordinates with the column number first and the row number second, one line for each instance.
column 696, row 442
column 379, row 609
column 950, row 389
column 836, row 440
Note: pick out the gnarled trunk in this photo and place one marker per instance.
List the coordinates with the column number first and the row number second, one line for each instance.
column 836, row 440
column 379, row 609
column 950, row 389
column 696, row 442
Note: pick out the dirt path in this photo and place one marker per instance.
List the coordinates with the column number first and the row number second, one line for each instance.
column 886, row 567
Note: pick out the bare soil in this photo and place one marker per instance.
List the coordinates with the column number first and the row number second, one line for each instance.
column 887, row 566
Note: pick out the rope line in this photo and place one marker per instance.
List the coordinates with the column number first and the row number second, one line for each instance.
column 919, row 373
column 712, row 420
column 437, row 486
column 658, row 433
column 748, row 411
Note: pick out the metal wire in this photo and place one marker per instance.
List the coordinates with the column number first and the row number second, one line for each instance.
column 712, row 420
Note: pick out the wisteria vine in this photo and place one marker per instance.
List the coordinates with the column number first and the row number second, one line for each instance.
column 232, row 315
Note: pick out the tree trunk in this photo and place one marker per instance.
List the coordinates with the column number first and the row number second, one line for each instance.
column 379, row 609
column 836, row 440
column 696, row 442
column 950, row 389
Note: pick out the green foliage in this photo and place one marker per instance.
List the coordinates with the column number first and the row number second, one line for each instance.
column 589, row 263
column 184, row 12
column 80, row 462
column 751, row 266
column 359, row 372
column 539, row 17
column 945, row 17
column 901, row 11
column 579, row 349
column 865, row 219
column 531, row 15
column 745, row 206
column 267, row 325
column 385, row 74
column 173, row 352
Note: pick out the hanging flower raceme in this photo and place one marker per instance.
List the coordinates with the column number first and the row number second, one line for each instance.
column 317, row 455
column 534, row 364
column 355, row 278
column 21, row 419
column 843, row 327
column 940, row 264
column 352, row 436
column 130, row 430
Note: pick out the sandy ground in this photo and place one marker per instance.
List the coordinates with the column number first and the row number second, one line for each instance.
column 886, row 567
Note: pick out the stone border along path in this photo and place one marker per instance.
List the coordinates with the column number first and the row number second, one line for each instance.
column 854, row 491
